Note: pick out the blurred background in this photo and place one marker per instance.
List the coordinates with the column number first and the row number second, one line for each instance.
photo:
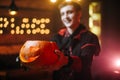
column 22, row 20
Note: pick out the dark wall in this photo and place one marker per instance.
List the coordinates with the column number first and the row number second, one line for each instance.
column 103, row 65
column 110, row 24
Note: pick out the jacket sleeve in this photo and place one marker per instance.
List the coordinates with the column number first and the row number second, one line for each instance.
column 76, row 64
column 89, row 48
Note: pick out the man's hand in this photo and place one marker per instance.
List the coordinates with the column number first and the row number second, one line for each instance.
column 62, row 60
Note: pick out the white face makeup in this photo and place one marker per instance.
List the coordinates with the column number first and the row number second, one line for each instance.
column 69, row 16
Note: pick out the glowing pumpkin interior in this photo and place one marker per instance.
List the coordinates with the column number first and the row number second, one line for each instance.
column 40, row 53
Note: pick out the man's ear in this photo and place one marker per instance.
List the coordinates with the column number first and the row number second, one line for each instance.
column 79, row 14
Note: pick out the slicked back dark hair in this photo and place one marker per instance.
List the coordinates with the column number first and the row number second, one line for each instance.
column 76, row 5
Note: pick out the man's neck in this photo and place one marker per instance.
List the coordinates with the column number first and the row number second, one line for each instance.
column 71, row 30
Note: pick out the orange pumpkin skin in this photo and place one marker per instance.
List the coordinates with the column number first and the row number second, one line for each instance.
column 36, row 54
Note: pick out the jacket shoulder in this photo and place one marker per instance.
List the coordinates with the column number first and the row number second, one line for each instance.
column 62, row 31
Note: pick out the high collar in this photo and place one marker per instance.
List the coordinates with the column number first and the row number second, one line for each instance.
column 78, row 30
column 64, row 32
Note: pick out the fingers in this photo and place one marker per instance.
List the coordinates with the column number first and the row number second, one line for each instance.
column 63, row 60
column 57, row 52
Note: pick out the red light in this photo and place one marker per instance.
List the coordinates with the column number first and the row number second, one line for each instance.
column 117, row 63
column 117, row 72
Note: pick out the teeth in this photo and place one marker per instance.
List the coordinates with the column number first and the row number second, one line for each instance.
column 67, row 21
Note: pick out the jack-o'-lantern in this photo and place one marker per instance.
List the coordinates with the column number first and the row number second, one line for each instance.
column 35, row 54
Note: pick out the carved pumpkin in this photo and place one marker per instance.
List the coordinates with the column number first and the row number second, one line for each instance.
column 35, row 54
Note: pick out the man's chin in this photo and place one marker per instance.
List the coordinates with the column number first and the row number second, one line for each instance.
column 68, row 26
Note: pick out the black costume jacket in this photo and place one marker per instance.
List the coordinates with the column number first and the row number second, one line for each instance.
column 81, row 43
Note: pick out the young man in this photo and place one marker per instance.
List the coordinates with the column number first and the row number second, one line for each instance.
column 77, row 43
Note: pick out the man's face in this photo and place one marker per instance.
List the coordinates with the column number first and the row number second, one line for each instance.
column 69, row 16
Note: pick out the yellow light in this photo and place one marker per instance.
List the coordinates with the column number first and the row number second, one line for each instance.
column 5, row 19
column 22, row 25
column 28, row 31
column 17, row 31
column 38, row 22
column 42, row 20
column 27, row 25
column 21, row 31
column 7, row 22
column 53, row 1
column 42, row 26
column 1, row 18
column 1, row 31
column 33, row 31
column 1, row 25
column 12, row 32
column 25, row 20
column 90, row 9
column 90, row 22
column 96, row 16
column 37, row 30
column 13, row 8
column 67, row 0
column 32, row 25
column 42, row 31
column 17, row 28
column 95, row 20
column 47, row 31
column 47, row 20
column 5, row 25
column 12, row 12
column 12, row 19
column 34, row 20
column 96, row 30
column 79, row 0
column 12, row 25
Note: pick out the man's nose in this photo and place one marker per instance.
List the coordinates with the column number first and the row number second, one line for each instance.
column 66, row 15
